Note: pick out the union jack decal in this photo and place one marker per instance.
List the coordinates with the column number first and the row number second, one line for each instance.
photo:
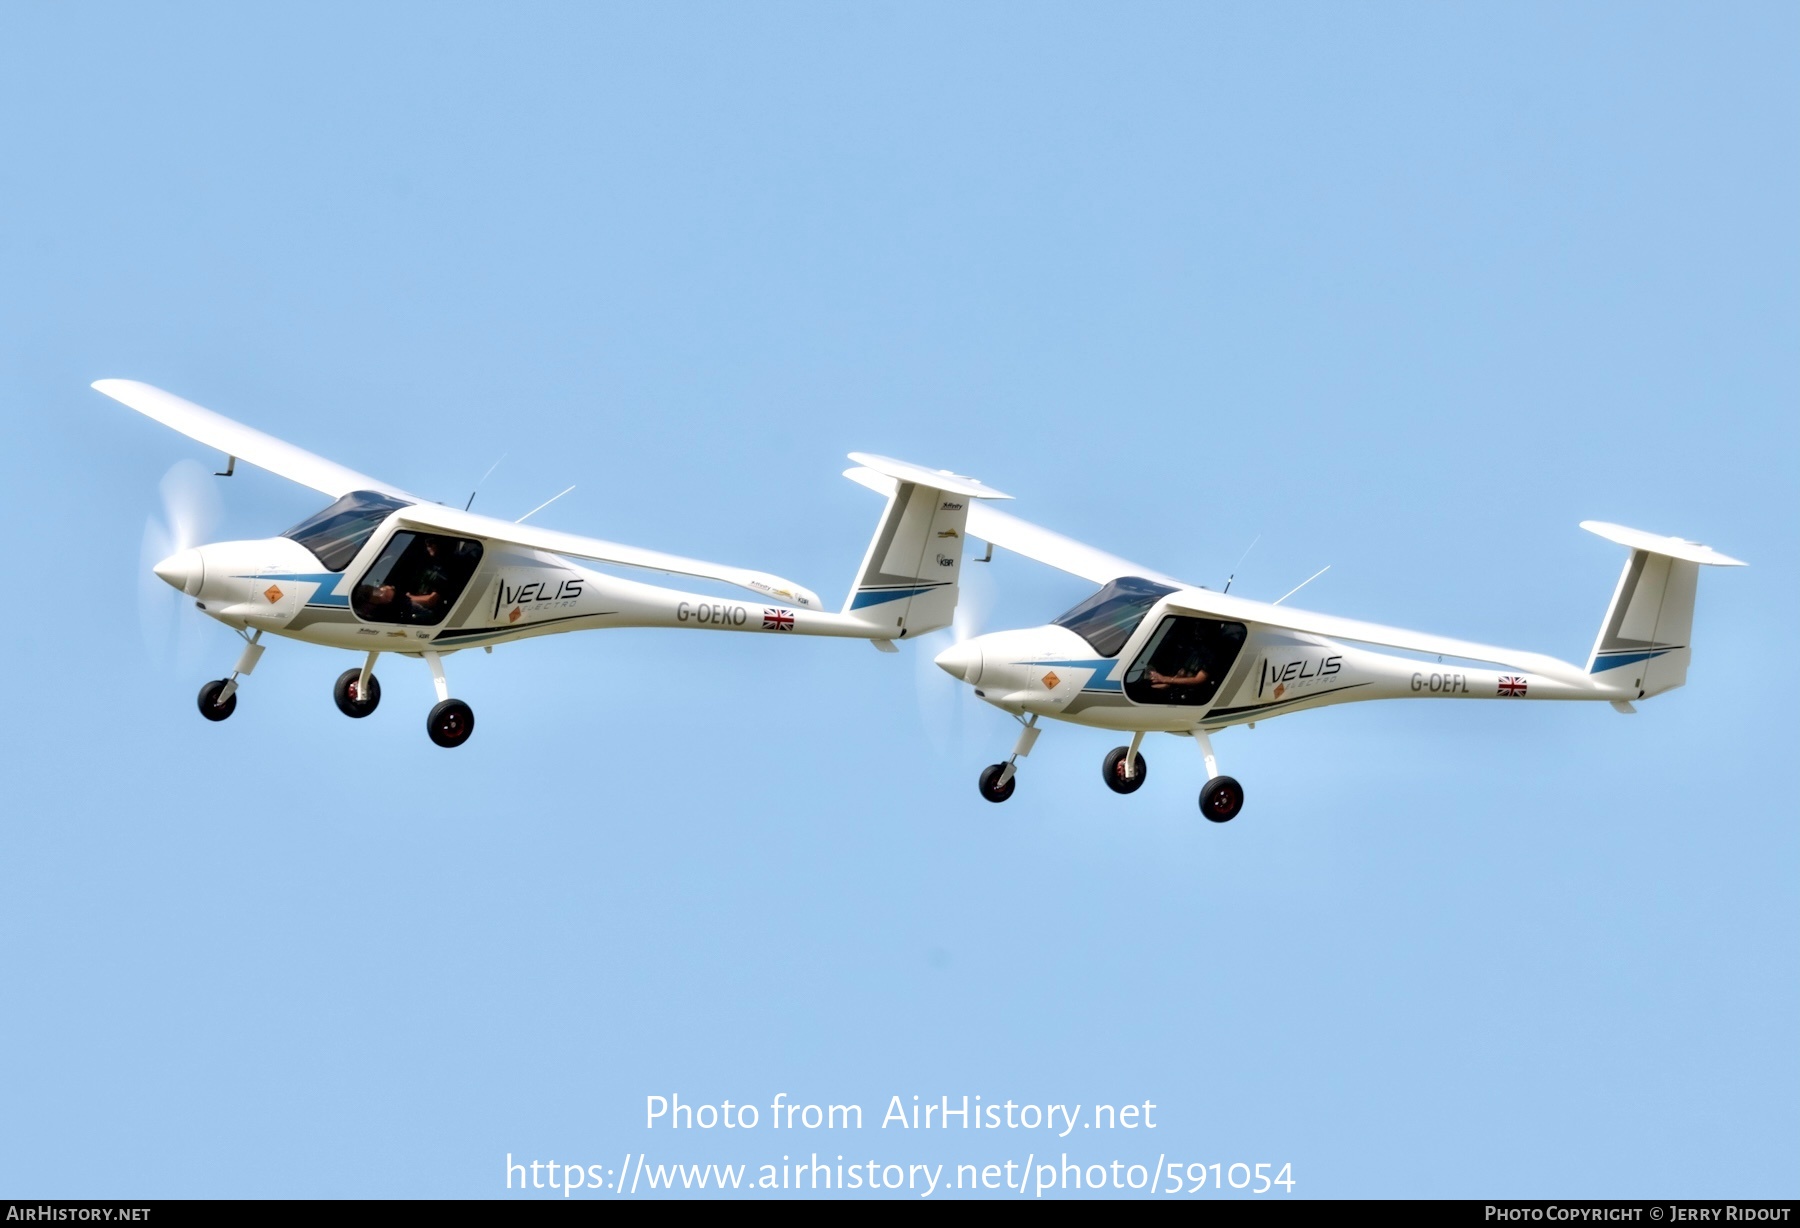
column 1511, row 684
column 777, row 620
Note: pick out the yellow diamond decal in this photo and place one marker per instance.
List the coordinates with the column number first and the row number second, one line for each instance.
column 273, row 593
column 1051, row 681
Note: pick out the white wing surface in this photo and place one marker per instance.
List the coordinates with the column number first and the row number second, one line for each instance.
column 298, row 465
column 1022, row 537
column 437, row 518
column 247, row 444
column 1238, row 609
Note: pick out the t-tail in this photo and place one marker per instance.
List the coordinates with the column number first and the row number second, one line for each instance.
column 1644, row 642
column 907, row 584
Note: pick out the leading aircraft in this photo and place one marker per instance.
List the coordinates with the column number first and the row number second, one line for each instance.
column 1149, row 653
column 380, row 570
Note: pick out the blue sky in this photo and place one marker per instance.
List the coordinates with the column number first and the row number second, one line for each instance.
column 1405, row 290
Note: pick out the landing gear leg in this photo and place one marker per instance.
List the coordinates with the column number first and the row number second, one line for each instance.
column 1221, row 797
column 451, row 721
column 218, row 699
column 358, row 691
column 998, row 779
column 1124, row 769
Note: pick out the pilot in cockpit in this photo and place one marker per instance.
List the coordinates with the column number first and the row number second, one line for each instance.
column 426, row 592
column 1161, row 682
column 1184, row 655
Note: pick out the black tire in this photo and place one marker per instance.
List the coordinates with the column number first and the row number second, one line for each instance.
column 450, row 723
column 348, row 702
column 1113, row 769
column 210, row 707
column 1221, row 798
column 989, row 775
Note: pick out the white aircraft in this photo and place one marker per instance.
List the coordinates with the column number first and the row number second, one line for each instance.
column 381, row 570
column 1151, row 653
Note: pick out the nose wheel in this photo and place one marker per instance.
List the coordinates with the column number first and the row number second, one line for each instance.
column 218, row 699
column 998, row 779
column 212, row 707
column 997, row 782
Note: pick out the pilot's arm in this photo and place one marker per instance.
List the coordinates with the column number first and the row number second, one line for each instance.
column 1159, row 681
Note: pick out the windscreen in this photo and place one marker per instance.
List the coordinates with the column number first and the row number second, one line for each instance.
column 1107, row 619
column 338, row 532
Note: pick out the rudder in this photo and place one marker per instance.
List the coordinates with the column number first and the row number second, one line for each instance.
column 907, row 584
column 1648, row 625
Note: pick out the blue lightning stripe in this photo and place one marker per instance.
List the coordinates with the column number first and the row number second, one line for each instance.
column 881, row 596
column 1619, row 656
column 1100, row 665
column 322, row 596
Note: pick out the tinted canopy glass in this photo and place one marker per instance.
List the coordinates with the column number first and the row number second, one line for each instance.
column 1107, row 619
column 338, row 532
column 1184, row 661
column 416, row 579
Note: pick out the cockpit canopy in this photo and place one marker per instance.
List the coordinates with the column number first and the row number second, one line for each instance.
column 338, row 532
column 1107, row 619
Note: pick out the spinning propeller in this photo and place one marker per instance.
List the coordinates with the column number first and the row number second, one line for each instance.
column 190, row 511
column 941, row 709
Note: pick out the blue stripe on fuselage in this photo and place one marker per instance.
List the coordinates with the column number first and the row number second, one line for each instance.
column 322, row 596
column 1100, row 665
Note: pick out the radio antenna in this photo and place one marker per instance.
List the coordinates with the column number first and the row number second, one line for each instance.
column 1240, row 562
column 484, row 477
column 1315, row 575
column 540, row 507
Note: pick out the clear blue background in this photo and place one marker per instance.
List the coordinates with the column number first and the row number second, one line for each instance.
column 1409, row 290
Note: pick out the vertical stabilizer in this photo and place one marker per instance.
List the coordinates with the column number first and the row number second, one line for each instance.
column 1645, row 634
column 908, row 582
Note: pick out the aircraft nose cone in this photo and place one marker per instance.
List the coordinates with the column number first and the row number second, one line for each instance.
column 183, row 570
column 961, row 661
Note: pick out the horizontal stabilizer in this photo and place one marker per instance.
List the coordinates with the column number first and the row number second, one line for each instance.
column 934, row 479
column 1038, row 544
column 1668, row 547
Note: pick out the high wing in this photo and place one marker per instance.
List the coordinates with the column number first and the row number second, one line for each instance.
column 1077, row 558
column 437, row 518
column 328, row 477
column 1039, row 544
column 1209, row 604
column 279, row 457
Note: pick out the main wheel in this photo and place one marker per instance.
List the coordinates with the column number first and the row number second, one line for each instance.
column 210, row 707
column 1113, row 769
column 1221, row 798
column 348, row 701
column 451, row 723
column 993, row 792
